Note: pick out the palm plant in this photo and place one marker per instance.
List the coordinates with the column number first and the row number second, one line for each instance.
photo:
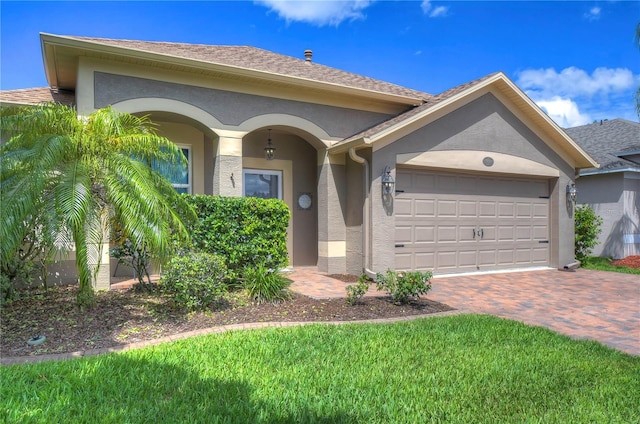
column 87, row 170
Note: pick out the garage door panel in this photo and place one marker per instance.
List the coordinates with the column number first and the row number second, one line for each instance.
column 468, row 208
column 467, row 258
column 505, row 257
column 425, row 234
column 404, row 234
column 424, row 262
column 447, row 209
column 540, row 232
column 487, row 209
column 487, row 257
column 438, row 214
column 403, row 208
column 541, row 210
column 404, row 261
column 506, row 210
column 523, row 210
column 540, row 255
column 447, row 234
column 506, row 233
column 466, row 234
column 425, row 208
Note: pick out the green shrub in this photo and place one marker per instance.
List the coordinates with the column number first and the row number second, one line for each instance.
column 247, row 231
column 266, row 285
column 356, row 292
column 194, row 280
column 402, row 285
column 587, row 230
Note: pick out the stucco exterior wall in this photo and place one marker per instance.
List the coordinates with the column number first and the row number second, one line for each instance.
column 354, row 217
column 631, row 196
column 615, row 197
column 484, row 125
column 231, row 108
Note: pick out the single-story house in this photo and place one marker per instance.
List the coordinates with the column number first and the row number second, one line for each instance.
column 613, row 190
column 377, row 176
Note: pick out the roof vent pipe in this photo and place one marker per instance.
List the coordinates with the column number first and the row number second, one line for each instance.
column 308, row 54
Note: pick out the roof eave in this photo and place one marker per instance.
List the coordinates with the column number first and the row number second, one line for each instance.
column 52, row 40
column 587, row 172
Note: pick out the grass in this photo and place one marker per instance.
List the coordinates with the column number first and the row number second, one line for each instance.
column 604, row 264
column 458, row 369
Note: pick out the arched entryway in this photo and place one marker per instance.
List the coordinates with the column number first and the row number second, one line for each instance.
column 291, row 175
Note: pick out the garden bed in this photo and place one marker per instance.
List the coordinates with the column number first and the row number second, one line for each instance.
column 129, row 316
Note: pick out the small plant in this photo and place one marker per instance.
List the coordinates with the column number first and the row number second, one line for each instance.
column 356, row 292
column 587, row 227
column 266, row 285
column 195, row 280
column 401, row 285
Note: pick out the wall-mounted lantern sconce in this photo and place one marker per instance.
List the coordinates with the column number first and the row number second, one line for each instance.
column 387, row 181
column 572, row 193
column 269, row 151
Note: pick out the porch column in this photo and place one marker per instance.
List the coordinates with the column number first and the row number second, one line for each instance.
column 227, row 172
column 332, row 244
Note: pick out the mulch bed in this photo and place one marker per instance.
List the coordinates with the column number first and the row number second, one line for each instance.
column 629, row 262
column 128, row 316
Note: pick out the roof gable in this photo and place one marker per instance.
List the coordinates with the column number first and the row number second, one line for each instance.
column 439, row 105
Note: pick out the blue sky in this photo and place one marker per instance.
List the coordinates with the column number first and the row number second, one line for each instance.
column 576, row 59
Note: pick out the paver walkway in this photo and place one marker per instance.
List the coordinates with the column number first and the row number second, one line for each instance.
column 595, row 305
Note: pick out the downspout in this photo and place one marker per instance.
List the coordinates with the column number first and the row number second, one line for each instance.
column 366, row 214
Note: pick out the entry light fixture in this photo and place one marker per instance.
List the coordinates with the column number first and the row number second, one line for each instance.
column 269, row 151
column 572, row 192
column 387, row 181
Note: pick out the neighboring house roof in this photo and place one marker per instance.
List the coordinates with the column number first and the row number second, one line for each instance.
column 609, row 141
column 30, row 96
column 233, row 58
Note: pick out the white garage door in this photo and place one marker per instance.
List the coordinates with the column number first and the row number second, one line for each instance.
column 457, row 222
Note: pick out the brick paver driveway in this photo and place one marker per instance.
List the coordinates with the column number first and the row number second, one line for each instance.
column 597, row 305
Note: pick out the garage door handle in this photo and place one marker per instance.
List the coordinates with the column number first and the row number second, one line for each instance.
column 399, row 245
column 543, row 241
column 474, row 233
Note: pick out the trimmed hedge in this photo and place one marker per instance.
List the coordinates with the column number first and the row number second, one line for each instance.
column 246, row 231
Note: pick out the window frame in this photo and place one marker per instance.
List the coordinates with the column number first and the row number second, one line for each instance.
column 257, row 171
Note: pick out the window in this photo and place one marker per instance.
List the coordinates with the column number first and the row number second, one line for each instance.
column 180, row 177
column 262, row 183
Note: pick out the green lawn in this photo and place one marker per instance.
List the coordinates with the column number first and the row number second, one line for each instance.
column 604, row 264
column 457, row 369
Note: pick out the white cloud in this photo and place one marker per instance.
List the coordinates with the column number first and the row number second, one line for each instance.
column 574, row 97
column 573, row 81
column 317, row 12
column 593, row 14
column 433, row 12
column 564, row 112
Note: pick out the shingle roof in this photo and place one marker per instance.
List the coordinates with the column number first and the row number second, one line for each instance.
column 37, row 95
column 260, row 60
column 433, row 101
column 604, row 139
